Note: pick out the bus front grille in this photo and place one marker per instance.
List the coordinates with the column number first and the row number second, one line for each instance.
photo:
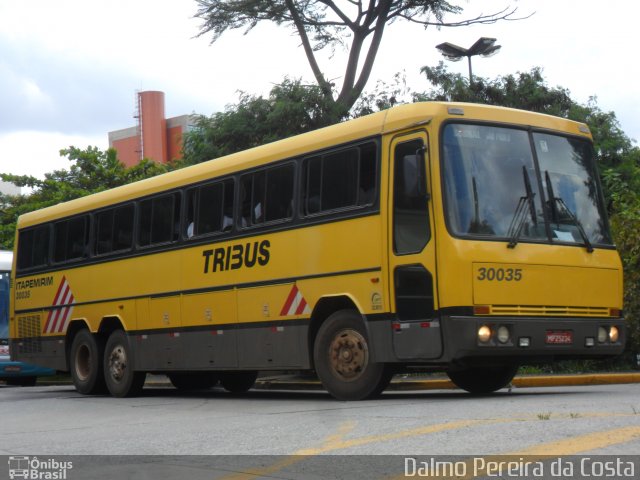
column 548, row 311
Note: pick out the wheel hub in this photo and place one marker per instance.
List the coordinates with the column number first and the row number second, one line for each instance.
column 349, row 354
column 118, row 363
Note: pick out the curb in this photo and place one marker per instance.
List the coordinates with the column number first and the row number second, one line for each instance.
column 446, row 384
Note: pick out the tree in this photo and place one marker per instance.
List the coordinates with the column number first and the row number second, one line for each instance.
column 327, row 23
column 291, row 108
column 92, row 170
column 524, row 90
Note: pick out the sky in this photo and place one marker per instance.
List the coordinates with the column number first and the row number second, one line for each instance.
column 70, row 69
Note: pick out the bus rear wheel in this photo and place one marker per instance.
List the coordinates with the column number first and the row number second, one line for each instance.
column 85, row 362
column 343, row 359
column 238, row 382
column 483, row 380
column 121, row 379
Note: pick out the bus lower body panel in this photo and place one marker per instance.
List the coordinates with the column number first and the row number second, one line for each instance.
column 42, row 351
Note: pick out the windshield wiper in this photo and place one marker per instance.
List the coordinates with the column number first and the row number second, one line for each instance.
column 554, row 203
column 520, row 215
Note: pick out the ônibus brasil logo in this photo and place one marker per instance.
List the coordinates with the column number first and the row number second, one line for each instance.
column 36, row 469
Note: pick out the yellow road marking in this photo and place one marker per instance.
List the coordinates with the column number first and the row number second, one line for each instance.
column 570, row 446
column 337, row 442
column 426, row 430
column 584, row 443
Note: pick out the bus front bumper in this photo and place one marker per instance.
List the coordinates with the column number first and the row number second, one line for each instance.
column 532, row 338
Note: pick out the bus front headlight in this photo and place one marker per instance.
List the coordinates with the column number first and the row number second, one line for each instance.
column 484, row 334
column 614, row 334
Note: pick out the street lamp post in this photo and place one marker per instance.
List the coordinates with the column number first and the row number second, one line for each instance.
column 484, row 46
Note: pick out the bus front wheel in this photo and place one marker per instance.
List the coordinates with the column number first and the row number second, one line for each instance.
column 343, row 359
column 121, row 379
column 483, row 380
column 85, row 362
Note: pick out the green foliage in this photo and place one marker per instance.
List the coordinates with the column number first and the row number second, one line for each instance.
column 527, row 91
column 92, row 170
column 291, row 108
column 624, row 188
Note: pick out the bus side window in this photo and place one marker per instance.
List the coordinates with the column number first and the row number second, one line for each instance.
column 367, row 174
column 159, row 220
column 279, row 193
column 114, row 229
column 70, row 239
column 267, row 195
column 210, row 209
column 341, row 179
column 33, row 247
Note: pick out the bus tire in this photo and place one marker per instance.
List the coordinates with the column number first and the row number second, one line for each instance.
column 484, row 380
column 85, row 363
column 343, row 359
column 238, row 382
column 193, row 381
column 121, row 379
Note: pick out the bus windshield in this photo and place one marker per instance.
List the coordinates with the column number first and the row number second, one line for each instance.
column 492, row 186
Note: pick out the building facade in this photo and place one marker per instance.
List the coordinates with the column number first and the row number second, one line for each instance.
column 154, row 136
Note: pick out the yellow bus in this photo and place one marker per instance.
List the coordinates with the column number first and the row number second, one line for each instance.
column 434, row 236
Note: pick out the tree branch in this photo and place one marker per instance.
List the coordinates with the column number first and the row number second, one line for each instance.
column 480, row 19
column 350, row 91
column 346, row 20
column 308, row 49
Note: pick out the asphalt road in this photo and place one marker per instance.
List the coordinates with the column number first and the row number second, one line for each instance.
column 525, row 422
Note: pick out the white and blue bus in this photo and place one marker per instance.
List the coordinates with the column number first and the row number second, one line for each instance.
column 13, row 373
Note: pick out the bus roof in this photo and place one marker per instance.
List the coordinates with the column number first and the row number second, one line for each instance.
column 6, row 258
column 400, row 117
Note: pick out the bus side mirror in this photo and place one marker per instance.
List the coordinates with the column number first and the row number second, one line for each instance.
column 414, row 181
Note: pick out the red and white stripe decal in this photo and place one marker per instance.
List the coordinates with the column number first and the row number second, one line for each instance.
column 295, row 303
column 62, row 308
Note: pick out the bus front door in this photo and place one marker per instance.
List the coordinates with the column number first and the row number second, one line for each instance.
column 412, row 264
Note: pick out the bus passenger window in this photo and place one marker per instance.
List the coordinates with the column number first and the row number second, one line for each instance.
column 70, row 239
column 342, row 179
column 33, row 247
column 114, row 230
column 267, row 195
column 279, row 193
column 210, row 209
column 159, row 220
column 367, row 180
column 339, row 180
column 313, row 185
